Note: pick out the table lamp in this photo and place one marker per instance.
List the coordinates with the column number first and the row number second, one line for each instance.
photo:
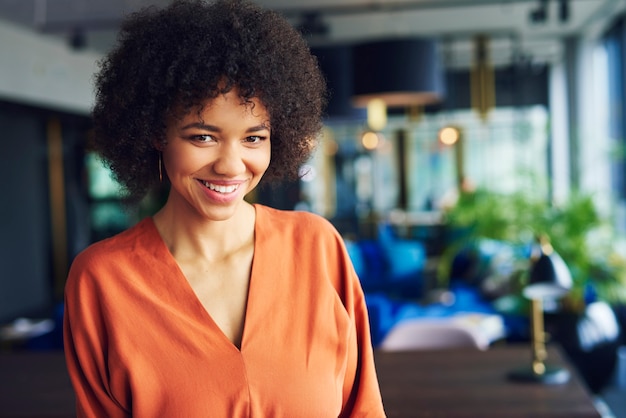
column 549, row 278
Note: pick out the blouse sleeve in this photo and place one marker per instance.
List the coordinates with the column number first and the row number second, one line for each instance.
column 84, row 345
column 361, row 391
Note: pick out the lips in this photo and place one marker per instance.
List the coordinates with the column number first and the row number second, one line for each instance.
column 220, row 188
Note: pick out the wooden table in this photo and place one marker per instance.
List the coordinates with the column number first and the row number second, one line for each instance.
column 472, row 383
column 449, row 383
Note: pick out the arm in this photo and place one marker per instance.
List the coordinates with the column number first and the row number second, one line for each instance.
column 361, row 391
column 361, row 388
column 85, row 347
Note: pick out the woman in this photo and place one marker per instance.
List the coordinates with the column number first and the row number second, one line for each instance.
column 214, row 307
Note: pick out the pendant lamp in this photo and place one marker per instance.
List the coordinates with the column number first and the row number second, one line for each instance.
column 335, row 62
column 400, row 72
column 482, row 76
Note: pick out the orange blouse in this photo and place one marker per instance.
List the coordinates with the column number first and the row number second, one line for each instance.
column 138, row 342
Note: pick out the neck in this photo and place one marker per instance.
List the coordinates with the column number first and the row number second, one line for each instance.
column 197, row 238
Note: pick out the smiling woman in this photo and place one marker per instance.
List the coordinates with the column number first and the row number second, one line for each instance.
column 213, row 306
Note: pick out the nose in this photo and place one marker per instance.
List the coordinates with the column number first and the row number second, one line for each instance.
column 229, row 161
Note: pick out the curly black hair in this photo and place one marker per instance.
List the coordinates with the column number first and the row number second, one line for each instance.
column 168, row 61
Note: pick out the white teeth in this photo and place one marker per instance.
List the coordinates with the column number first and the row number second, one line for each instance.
column 221, row 189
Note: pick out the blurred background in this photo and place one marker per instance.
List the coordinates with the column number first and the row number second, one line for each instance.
column 458, row 133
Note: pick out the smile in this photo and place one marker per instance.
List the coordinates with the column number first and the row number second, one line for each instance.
column 219, row 188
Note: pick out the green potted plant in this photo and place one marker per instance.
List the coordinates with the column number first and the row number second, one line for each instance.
column 585, row 240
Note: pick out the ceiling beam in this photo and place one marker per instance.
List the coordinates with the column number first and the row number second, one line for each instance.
column 396, row 6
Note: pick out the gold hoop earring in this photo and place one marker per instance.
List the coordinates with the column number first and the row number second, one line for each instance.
column 160, row 169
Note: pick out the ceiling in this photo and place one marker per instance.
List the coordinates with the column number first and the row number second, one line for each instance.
column 528, row 29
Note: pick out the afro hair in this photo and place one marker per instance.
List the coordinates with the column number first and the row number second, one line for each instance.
column 168, row 61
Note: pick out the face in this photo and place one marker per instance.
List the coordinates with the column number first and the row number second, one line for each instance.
column 214, row 156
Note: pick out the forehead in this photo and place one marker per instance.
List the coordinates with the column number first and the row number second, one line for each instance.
column 226, row 105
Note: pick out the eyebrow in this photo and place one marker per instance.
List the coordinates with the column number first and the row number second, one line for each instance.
column 212, row 128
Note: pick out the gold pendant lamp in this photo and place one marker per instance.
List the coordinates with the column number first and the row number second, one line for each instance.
column 482, row 83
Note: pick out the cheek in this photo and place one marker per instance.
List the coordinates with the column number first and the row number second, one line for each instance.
column 264, row 161
column 178, row 161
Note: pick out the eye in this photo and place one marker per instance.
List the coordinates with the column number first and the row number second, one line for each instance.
column 203, row 139
column 254, row 139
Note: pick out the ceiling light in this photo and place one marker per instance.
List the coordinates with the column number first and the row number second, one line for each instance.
column 540, row 14
column 377, row 114
column 449, row 135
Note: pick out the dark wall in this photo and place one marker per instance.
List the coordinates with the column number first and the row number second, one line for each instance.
column 26, row 265
column 24, row 256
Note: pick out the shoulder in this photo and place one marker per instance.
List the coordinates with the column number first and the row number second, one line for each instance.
column 116, row 250
column 311, row 246
column 120, row 243
column 300, row 234
column 295, row 221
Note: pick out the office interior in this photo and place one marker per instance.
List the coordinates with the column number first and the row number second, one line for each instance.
column 441, row 201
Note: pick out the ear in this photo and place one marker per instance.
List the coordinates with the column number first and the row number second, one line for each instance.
column 159, row 145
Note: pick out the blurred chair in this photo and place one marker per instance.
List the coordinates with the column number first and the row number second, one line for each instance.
column 405, row 260
column 422, row 334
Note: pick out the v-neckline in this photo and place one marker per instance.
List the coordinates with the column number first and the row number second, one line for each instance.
column 198, row 307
